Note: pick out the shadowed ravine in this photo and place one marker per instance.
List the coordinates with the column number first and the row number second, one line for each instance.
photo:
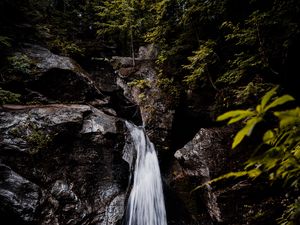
column 146, row 202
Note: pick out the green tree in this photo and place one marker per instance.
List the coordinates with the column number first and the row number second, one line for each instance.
column 125, row 17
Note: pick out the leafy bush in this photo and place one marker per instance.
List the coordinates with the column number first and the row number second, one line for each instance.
column 66, row 48
column 7, row 97
column 20, row 63
column 200, row 62
column 279, row 155
column 142, row 84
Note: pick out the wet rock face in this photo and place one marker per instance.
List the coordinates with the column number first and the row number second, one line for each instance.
column 30, row 129
column 50, row 77
column 103, row 75
column 140, row 85
column 206, row 154
column 18, row 196
column 62, row 164
column 200, row 160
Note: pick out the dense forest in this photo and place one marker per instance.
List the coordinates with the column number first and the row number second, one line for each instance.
column 238, row 59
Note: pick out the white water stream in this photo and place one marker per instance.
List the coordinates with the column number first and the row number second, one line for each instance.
column 146, row 201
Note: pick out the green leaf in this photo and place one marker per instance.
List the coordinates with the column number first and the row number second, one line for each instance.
column 279, row 101
column 296, row 152
column 289, row 117
column 234, row 113
column 240, row 136
column 267, row 97
column 259, row 109
column 269, row 137
column 240, row 117
column 254, row 173
column 247, row 130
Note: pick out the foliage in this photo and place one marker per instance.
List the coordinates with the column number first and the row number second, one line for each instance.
column 20, row 63
column 66, row 48
column 7, row 97
column 250, row 92
column 169, row 87
column 122, row 20
column 253, row 117
column 38, row 140
column 141, row 84
column 279, row 156
column 199, row 63
column 291, row 214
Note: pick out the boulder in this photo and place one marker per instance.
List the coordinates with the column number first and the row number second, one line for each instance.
column 47, row 77
column 200, row 160
column 229, row 201
column 73, row 155
column 18, row 196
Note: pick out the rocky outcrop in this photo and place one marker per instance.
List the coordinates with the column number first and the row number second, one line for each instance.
column 41, row 76
column 140, row 84
column 201, row 159
column 19, row 196
column 206, row 154
column 61, row 164
column 229, row 201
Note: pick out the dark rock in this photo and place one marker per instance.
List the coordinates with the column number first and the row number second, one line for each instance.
column 229, row 201
column 199, row 160
column 18, row 196
column 207, row 153
column 251, row 202
column 148, row 52
column 102, row 74
column 99, row 122
column 195, row 110
column 155, row 106
column 79, row 167
column 121, row 62
column 31, row 128
column 54, row 77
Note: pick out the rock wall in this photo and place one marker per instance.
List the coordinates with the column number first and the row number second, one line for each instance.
column 139, row 83
column 61, row 164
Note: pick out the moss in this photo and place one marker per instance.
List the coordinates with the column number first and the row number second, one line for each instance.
column 16, row 131
column 142, row 84
column 20, row 63
column 38, row 140
column 7, row 97
column 142, row 97
column 66, row 48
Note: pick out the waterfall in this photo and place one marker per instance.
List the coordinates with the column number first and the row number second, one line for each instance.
column 146, row 201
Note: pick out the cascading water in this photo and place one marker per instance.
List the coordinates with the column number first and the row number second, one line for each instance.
column 146, row 201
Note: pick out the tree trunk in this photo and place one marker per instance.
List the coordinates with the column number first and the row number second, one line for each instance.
column 132, row 47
